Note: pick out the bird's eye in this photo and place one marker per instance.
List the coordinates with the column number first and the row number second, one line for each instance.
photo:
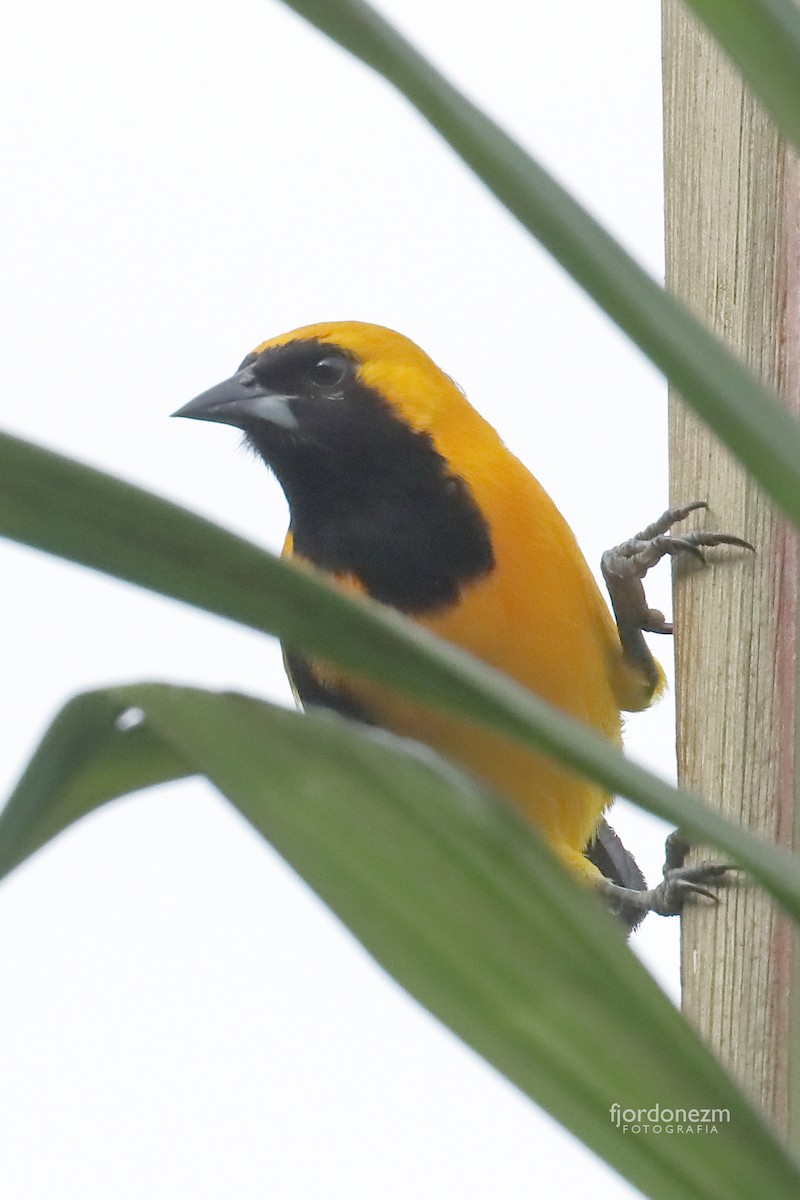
column 329, row 371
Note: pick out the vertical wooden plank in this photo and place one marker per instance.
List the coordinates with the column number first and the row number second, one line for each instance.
column 733, row 254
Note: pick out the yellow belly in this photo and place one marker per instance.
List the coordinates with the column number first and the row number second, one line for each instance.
column 563, row 807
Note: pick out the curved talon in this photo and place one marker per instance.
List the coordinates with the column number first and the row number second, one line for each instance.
column 703, row 537
column 694, row 889
column 669, row 518
column 709, row 542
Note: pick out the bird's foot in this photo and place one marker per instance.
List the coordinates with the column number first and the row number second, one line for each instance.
column 680, row 883
column 625, row 566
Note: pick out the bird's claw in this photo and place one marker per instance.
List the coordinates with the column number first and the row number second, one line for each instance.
column 679, row 884
column 632, row 559
column 625, row 566
column 669, row 896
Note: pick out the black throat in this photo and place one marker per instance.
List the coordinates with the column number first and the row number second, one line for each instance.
column 372, row 497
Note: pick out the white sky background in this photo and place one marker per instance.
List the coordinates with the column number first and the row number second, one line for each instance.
column 179, row 1015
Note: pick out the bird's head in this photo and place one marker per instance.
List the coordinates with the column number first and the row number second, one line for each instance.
column 338, row 396
column 378, row 451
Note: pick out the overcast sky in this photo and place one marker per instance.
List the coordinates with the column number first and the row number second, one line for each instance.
column 180, row 1015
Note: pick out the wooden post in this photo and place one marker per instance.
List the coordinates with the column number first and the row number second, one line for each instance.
column 733, row 254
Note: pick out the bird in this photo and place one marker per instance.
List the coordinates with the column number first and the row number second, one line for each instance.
column 398, row 489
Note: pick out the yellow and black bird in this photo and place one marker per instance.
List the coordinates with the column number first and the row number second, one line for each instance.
column 399, row 489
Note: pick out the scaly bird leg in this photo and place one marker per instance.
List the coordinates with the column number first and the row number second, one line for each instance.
column 625, row 566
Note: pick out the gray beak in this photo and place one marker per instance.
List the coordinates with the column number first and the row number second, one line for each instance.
column 241, row 400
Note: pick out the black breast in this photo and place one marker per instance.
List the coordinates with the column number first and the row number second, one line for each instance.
column 369, row 495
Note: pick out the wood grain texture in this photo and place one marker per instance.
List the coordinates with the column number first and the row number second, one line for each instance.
column 733, row 254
